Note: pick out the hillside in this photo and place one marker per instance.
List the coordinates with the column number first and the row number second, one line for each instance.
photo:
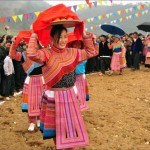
column 20, row 7
column 128, row 25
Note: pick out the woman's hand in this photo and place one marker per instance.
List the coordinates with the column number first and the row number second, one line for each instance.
column 13, row 39
column 31, row 28
column 94, row 38
column 84, row 32
column 33, row 34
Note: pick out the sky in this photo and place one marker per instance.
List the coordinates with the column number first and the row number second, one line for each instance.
column 76, row 2
column 66, row 2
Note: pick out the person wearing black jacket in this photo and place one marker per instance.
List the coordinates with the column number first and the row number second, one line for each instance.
column 2, row 57
column 136, row 50
column 20, row 74
column 105, row 54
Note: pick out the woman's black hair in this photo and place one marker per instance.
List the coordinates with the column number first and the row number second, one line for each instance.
column 104, row 36
column 57, row 30
column 7, row 51
column 9, row 41
column 9, row 37
column 22, row 44
column 70, row 45
column 1, row 40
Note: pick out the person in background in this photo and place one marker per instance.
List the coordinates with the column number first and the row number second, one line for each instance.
column 97, row 62
column 123, row 39
column 81, row 82
column 20, row 74
column 118, row 61
column 147, row 44
column 128, row 45
column 126, row 36
column 33, row 85
column 91, row 65
column 8, row 83
column 109, row 38
column 131, row 36
column 144, row 49
column 142, row 57
column 2, row 57
column 8, row 44
column 105, row 53
column 136, row 50
column 98, row 39
column 9, row 37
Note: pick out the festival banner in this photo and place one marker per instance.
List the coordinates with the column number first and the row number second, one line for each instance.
column 73, row 8
column 132, row 16
column 14, row 18
column 119, row 12
column 33, row 15
column 20, row 17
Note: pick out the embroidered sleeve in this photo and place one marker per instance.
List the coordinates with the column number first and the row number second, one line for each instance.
column 34, row 54
column 14, row 54
column 90, row 49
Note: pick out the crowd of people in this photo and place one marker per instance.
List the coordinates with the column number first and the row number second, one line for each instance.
column 52, row 78
column 136, row 47
column 12, row 77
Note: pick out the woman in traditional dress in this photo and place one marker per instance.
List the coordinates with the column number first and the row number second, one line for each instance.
column 34, row 82
column 147, row 44
column 61, row 117
column 81, row 81
column 118, row 61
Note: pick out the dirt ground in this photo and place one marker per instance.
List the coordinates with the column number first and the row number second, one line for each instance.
column 118, row 117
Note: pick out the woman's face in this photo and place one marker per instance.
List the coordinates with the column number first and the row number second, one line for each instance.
column 116, row 39
column 24, row 47
column 62, row 41
column 103, row 39
column 77, row 44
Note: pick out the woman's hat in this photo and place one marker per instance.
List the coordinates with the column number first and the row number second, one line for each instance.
column 67, row 23
column 23, row 35
column 55, row 15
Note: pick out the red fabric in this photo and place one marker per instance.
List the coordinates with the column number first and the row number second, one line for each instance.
column 90, row 4
column 72, row 37
column 2, row 20
column 23, row 35
column 42, row 24
column 87, row 1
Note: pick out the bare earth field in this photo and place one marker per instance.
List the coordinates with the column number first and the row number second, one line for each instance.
column 118, row 117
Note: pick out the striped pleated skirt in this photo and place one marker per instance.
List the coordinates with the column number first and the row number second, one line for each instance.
column 81, row 84
column 32, row 92
column 147, row 60
column 61, row 118
column 117, row 62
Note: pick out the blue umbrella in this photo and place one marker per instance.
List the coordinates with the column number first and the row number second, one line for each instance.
column 112, row 29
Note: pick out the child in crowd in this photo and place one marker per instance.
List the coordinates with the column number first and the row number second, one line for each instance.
column 8, row 83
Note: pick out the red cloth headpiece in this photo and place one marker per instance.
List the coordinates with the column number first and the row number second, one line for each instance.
column 72, row 37
column 42, row 26
column 23, row 35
